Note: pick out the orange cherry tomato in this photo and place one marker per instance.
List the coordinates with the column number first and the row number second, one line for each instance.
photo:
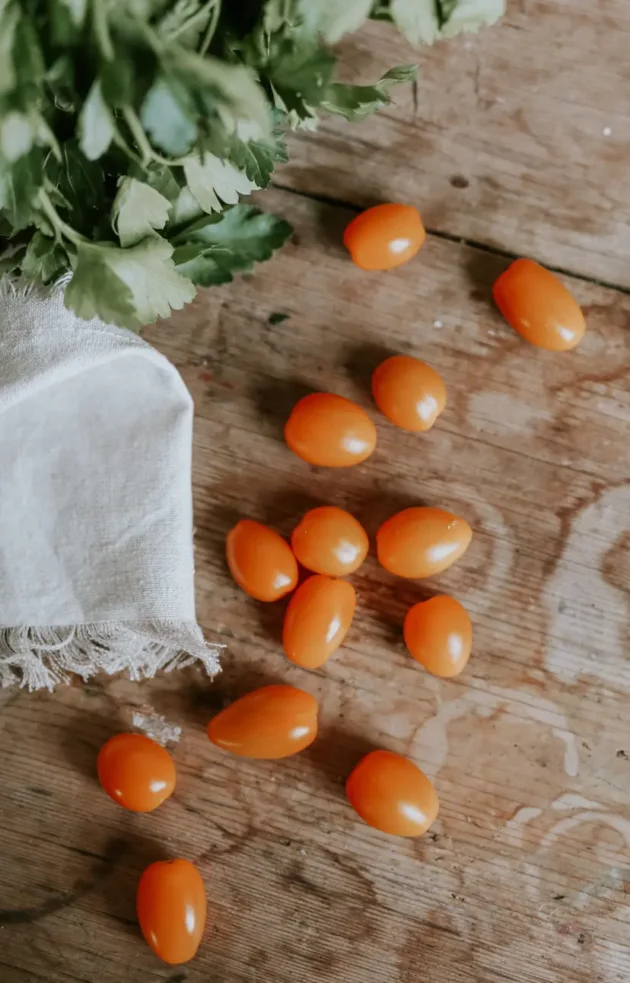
column 438, row 633
column 260, row 561
column 171, row 908
column 135, row 771
column 330, row 541
column 408, row 392
column 421, row 542
column 317, row 620
column 391, row 793
column 539, row 307
column 385, row 236
column 330, row 431
column 271, row 722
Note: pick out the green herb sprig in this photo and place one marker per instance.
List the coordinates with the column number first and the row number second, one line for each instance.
column 131, row 130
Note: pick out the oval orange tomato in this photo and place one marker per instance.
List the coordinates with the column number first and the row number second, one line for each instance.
column 385, row 236
column 171, row 907
column 271, row 722
column 390, row 793
column 135, row 771
column 420, row 542
column 330, row 431
column 260, row 561
column 408, row 392
column 438, row 634
column 539, row 307
column 329, row 540
column 317, row 620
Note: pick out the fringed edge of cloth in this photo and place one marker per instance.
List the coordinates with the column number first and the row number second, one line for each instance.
column 42, row 657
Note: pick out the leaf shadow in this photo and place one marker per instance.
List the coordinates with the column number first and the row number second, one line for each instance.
column 274, row 400
column 360, row 361
column 84, row 737
column 333, row 755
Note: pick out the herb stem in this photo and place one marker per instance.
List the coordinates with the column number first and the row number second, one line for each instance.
column 201, row 15
column 101, row 29
column 147, row 151
column 60, row 227
column 211, row 28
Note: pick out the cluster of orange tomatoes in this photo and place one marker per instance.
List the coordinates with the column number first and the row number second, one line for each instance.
column 386, row 790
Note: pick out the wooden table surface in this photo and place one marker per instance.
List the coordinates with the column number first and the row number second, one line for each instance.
column 519, row 143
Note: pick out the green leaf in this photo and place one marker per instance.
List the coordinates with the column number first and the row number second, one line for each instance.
column 96, row 124
column 258, row 157
column 16, row 137
column 212, row 249
column 60, row 79
column 76, row 9
column 469, row 15
column 229, row 90
column 27, row 54
column 129, row 287
column 212, row 179
column 354, row 102
column 9, row 18
column 417, row 19
column 185, row 209
column 78, row 188
column 425, row 21
column 11, row 258
column 334, row 18
column 18, row 187
column 118, row 80
column 137, row 211
column 161, row 178
column 95, row 290
column 169, row 116
column 301, row 68
column 280, row 13
column 44, row 260
column 186, row 20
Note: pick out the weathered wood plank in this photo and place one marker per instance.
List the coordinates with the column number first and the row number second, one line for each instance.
column 520, row 138
column 523, row 877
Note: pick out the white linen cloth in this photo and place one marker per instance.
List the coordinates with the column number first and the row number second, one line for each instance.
column 96, row 555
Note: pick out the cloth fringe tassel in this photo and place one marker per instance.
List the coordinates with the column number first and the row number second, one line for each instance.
column 40, row 658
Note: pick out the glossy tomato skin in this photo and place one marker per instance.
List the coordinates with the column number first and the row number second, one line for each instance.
column 329, row 540
column 260, row 561
column 330, row 431
column 136, row 772
column 171, row 908
column 384, row 237
column 408, row 392
column 271, row 722
column 421, row 542
column 438, row 634
column 317, row 620
column 539, row 307
column 390, row 793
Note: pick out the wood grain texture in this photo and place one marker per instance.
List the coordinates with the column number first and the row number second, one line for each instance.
column 523, row 878
column 519, row 137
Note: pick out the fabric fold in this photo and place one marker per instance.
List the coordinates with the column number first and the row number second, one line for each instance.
column 96, row 555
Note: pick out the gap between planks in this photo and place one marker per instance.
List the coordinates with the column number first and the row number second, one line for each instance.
column 451, row 237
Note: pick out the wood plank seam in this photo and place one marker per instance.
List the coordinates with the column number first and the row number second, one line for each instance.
column 483, row 247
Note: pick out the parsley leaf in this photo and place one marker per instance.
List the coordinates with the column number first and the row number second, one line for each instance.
column 130, row 132
column 354, row 102
column 130, row 287
column 212, row 179
column 137, row 211
column 96, row 124
column 212, row 249
column 334, row 18
column 44, row 260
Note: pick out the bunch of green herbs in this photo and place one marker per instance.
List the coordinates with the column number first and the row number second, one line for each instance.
column 131, row 130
